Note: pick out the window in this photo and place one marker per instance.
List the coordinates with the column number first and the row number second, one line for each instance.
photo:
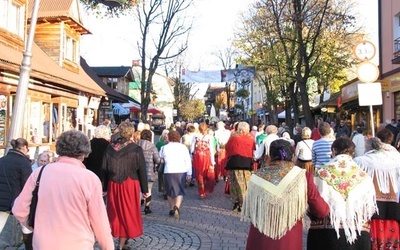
column 71, row 50
column 12, row 17
column 112, row 83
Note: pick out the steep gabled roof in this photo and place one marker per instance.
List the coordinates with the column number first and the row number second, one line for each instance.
column 115, row 95
column 59, row 10
column 112, row 72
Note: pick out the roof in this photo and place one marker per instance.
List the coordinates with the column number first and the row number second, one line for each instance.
column 45, row 69
column 111, row 93
column 59, row 10
column 120, row 71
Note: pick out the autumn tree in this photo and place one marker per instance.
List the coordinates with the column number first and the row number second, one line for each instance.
column 193, row 109
column 297, row 41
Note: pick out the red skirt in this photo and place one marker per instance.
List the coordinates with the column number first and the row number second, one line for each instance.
column 123, row 209
column 385, row 234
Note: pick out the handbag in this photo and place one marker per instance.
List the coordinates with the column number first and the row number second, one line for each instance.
column 32, row 208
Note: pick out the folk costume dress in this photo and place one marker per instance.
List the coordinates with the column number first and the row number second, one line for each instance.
column 239, row 150
column 350, row 193
column 277, row 199
column 384, row 168
column 203, row 159
column 222, row 136
column 125, row 176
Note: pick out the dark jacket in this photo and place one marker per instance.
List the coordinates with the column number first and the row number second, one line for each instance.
column 95, row 159
column 15, row 169
column 123, row 162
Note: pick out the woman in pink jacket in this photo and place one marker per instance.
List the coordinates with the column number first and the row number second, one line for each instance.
column 70, row 212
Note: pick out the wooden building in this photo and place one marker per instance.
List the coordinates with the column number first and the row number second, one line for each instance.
column 61, row 94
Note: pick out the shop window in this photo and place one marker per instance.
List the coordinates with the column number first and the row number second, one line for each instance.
column 12, row 17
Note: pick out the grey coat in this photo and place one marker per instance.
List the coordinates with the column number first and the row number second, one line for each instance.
column 151, row 157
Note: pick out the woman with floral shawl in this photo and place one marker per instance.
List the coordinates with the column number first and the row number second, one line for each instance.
column 350, row 193
column 382, row 163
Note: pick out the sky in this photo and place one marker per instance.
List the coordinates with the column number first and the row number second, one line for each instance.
column 113, row 41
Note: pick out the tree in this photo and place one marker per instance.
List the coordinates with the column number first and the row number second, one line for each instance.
column 182, row 94
column 167, row 20
column 112, row 7
column 193, row 109
column 294, row 41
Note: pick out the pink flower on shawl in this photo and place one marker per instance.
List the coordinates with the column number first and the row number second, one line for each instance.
column 344, row 185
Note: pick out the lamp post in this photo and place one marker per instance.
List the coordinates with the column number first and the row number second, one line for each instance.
column 23, row 81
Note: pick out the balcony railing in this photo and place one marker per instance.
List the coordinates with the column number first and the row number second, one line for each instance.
column 396, row 54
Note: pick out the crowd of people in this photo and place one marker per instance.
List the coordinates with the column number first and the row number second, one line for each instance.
column 346, row 183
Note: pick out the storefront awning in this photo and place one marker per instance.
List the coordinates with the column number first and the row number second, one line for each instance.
column 119, row 110
column 45, row 69
column 134, row 107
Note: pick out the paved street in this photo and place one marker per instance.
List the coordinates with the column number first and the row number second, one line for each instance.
column 203, row 224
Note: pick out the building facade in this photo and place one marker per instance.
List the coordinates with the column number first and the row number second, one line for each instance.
column 61, row 94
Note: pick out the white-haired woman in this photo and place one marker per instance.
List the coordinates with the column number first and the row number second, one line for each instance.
column 239, row 150
column 303, row 152
column 98, row 144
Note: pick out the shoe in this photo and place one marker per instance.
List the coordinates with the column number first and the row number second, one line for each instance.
column 202, row 196
column 191, row 184
column 176, row 213
column 235, row 206
column 239, row 209
column 171, row 212
column 147, row 210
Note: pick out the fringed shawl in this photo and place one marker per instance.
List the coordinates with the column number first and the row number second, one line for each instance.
column 383, row 166
column 275, row 209
column 350, row 193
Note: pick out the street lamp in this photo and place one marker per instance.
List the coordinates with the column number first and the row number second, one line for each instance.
column 23, row 81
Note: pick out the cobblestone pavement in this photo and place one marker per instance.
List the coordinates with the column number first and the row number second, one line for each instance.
column 204, row 224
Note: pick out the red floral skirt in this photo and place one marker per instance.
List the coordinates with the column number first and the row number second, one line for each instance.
column 385, row 234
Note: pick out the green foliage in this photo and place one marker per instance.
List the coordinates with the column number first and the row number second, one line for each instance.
column 292, row 42
column 111, row 8
column 243, row 93
column 192, row 109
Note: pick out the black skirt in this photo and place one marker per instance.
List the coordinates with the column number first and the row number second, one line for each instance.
column 175, row 184
column 326, row 239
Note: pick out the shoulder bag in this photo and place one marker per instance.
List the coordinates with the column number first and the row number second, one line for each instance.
column 32, row 209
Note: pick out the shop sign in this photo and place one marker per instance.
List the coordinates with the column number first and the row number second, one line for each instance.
column 82, row 101
column 349, row 92
column 94, row 102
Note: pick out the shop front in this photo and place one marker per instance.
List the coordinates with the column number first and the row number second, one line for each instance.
column 350, row 110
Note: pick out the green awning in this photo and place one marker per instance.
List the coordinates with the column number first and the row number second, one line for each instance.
column 136, row 85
